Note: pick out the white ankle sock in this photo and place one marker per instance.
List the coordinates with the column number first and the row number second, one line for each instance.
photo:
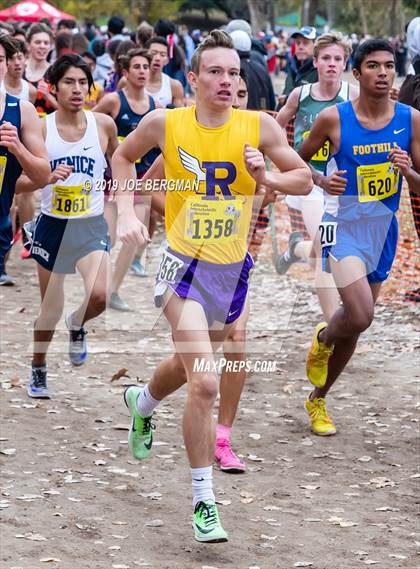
column 146, row 404
column 202, row 484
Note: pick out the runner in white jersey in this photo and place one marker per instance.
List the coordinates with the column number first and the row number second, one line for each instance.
column 13, row 82
column 71, row 232
column 166, row 91
column 331, row 52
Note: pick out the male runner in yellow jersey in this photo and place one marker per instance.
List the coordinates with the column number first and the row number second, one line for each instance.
column 214, row 154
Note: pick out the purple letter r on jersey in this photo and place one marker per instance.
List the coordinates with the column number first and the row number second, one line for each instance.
column 223, row 183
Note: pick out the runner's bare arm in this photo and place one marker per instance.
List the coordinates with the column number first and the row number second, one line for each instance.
column 156, row 172
column 44, row 88
column 26, row 185
column 107, row 132
column 326, row 127
column 107, row 105
column 401, row 159
column 121, row 83
column 294, row 176
column 177, row 93
column 111, row 135
column 267, row 197
column 32, row 93
column 30, row 151
column 319, row 133
column 149, row 133
column 288, row 111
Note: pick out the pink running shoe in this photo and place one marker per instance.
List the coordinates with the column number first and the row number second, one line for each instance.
column 227, row 459
column 24, row 253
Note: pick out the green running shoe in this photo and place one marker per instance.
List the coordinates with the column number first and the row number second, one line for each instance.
column 140, row 436
column 206, row 523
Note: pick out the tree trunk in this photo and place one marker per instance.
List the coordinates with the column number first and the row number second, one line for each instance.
column 393, row 23
column 260, row 11
column 363, row 18
column 144, row 10
column 309, row 12
column 304, row 15
column 331, row 12
column 396, row 18
column 271, row 14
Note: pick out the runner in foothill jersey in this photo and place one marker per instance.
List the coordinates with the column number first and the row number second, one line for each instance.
column 165, row 90
column 331, row 52
column 215, row 155
column 20, row 147
column 71, row 232
column 370, row 142
column 128, row 107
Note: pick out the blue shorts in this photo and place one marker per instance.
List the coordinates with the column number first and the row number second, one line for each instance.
column 220, row 289
column 373, row 240
column 58, row 244
column 6, row 239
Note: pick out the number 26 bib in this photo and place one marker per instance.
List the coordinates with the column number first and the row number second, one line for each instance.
column 323, row 152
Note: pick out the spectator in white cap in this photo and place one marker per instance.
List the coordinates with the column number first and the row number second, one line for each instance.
column 258, row 51
column 413, row 44
column 301, row 68
column 260, row 87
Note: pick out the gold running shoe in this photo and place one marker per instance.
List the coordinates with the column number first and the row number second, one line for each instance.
column 320, row 421
column 317, row 360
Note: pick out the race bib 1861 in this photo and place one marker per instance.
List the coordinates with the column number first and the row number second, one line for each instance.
column 70, row 201
column 212, row 220
column 377, row 181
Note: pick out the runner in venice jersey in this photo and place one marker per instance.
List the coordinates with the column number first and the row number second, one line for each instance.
column 71, row 232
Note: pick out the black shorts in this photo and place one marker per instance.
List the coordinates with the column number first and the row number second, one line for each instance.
column 6, row 239
column 58, row 244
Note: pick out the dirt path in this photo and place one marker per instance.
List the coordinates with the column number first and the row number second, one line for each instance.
column 71, row 496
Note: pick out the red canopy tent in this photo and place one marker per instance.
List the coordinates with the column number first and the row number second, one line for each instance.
column 33, row 11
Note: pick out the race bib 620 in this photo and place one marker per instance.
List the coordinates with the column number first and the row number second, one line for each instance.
column 377, row 181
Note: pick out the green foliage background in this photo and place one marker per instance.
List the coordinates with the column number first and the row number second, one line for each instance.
column 346, row 14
